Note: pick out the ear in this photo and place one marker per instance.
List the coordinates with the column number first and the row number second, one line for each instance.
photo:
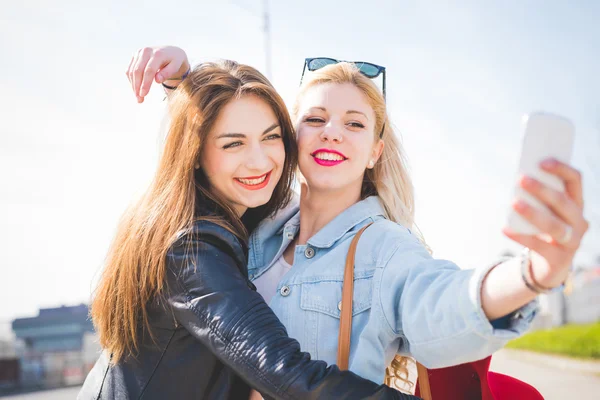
column 377, row 150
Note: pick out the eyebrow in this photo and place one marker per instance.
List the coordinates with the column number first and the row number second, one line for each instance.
column 241, row 135
column 347, row 112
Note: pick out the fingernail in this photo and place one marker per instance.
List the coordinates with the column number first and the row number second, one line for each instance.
column 549, row 163
column 521, row 205
column 159, row 78
column 528, row 182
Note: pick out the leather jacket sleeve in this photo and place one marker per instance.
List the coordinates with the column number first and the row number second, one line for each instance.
column 213, row 300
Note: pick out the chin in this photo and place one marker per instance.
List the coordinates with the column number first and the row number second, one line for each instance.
column 324, row 185
column 256, row 201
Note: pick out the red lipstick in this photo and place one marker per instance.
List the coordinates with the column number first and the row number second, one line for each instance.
column 258, row 185
column 328, row 163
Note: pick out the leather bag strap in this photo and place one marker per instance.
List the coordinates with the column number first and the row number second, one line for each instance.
column 424, row 387
column 343, row 354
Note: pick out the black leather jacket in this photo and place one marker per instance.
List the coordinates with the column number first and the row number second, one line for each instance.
column 215, row 335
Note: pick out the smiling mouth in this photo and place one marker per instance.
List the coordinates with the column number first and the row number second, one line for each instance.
column 328, row 158
column 254, row 182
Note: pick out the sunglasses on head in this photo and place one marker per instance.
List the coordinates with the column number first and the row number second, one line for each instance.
column 369, row 70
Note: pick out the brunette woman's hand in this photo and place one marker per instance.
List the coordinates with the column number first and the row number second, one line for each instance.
column 563, row 226
column 165, row 64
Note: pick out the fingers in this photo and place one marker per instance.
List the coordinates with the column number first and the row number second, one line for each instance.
column 138, row 71
column 558, row 202
column 569, row 175
column 543, row 248
column 130, row 70
column 547, row 223
column 154, row 64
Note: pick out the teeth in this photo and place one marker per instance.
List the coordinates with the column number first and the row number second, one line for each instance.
column 253, row 181
column 329, row 156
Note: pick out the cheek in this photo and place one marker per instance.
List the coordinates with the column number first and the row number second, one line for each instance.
column 306, row 136
column 362, row 146
column 278, row 154
column 218, row 167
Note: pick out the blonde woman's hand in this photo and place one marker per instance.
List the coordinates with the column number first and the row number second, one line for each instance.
column 158, row 64
column 563, row 227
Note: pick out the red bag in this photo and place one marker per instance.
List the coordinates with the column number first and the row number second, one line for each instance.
column 474, row 381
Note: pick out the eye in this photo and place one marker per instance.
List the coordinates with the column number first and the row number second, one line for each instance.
column 314, row 120
column 274, row 136
column 356, row 125
column 231, row 145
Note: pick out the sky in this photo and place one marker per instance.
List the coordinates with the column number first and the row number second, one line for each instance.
column 76, row 148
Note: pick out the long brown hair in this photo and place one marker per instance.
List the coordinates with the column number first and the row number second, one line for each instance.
column 389, row 178
column 136, row 263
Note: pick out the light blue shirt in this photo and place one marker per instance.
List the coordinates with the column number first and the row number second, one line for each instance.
column 404, row 300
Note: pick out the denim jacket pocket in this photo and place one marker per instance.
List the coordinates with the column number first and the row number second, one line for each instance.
column 324, row 296
column 321, row 301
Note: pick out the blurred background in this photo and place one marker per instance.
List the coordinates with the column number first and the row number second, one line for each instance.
column 76, row 148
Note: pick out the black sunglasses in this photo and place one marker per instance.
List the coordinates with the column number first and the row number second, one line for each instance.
column 369, row 70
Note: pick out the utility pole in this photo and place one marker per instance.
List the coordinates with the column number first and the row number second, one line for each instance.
column 267, row 31
column 266, row 17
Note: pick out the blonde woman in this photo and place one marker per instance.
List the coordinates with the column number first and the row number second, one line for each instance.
column 405, row 301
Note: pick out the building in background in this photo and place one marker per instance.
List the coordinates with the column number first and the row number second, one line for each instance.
column 55, row 348
column 583, row 302
column 578, row 304
column 9, row 366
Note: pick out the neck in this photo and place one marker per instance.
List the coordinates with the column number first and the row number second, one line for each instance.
column 318, row 208
column 240, row 210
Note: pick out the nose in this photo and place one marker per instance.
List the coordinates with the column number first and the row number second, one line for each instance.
column 332, row 132
column 258, row 159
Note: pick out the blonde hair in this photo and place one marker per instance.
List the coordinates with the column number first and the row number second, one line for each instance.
column 389, row 178
column 135, row 268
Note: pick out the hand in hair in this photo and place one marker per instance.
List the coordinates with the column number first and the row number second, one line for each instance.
column 161, row 64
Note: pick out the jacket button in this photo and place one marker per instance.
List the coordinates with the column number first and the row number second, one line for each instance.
column 309, row 252
column 517, row 316
column 340, row 306
column 285, row 291
column 290, row 235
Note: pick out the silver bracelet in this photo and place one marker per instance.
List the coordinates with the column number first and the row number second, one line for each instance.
column 526, row 269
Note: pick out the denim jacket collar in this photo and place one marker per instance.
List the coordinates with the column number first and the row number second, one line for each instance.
column 345, row 221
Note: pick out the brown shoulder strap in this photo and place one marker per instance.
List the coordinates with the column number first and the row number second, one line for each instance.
column 424, row 388
column 343, row 354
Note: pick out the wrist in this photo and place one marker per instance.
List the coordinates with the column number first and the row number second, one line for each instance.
column 184, row 70
column 543, row 275
column 173, row 82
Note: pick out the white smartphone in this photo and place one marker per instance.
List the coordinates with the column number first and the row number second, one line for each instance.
column 545, row 136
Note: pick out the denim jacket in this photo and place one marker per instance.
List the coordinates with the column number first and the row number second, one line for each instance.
column 404, row 300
